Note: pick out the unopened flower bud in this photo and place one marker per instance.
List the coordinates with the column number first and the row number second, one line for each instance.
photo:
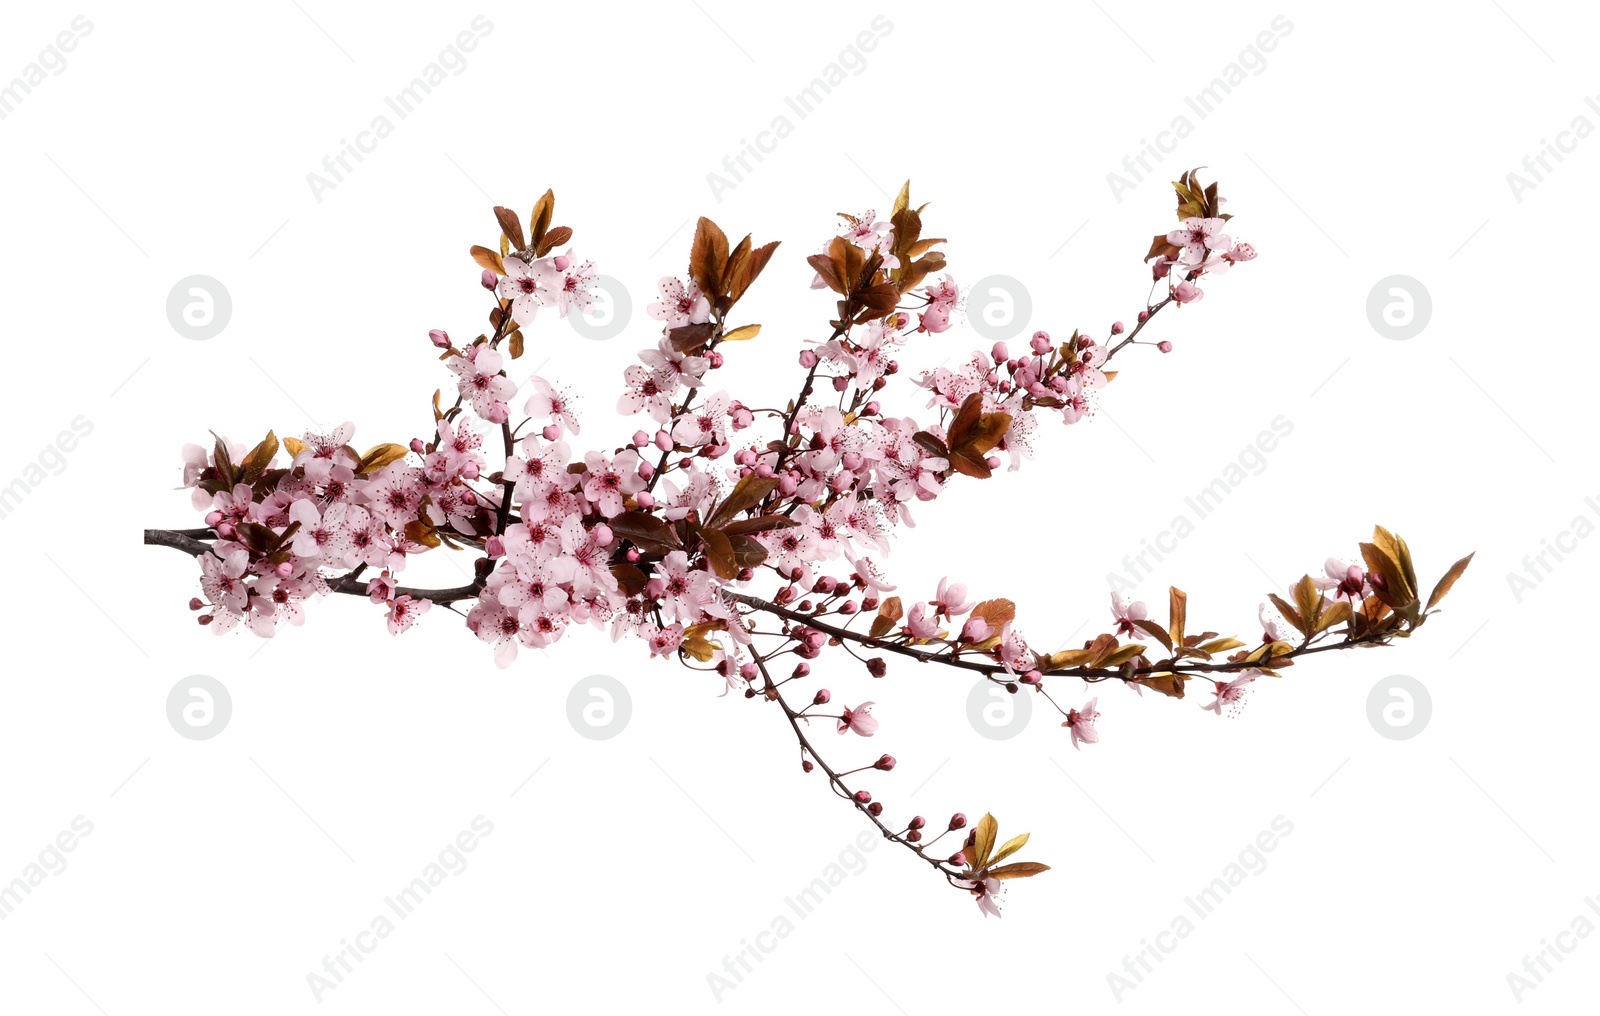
column 821, row 697
column 551, row 432
column 285, row 569
column 1000, row 353
column 417, row 445
column 440, row 338
column 958, row 859
column 645, row 499
column 885, row 763
column 1040, row 343
column 640, row 439
column 489, row 280
column 877, row 667
column 212, row 518
column 875, row 809
column 958, row 821
column 495, row 547
column 1116, row 328
column 602, row 535
column 805, row 765
column 914, row 836
column 194, row 603
column 808, row 359
column 1164, row 346
column 863, row 797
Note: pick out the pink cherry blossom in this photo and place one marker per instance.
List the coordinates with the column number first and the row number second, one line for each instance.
column 528, row 287
column 1126, row 613
column 1198, row 237
column 987, row 891
column 481, row 382
column 680, row 305
column 1081, row 722
column 1231, row 693
column 859, row 719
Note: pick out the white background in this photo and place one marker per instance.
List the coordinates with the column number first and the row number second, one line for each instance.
column 1376, row 141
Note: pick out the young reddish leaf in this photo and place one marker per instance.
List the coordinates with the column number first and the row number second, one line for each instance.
column 759, row 524
column 1289, row 614
column 828, row 270
column 1154, row 629
column 748, row 552
column 1010, row 847
column 1170, row 685
column 379, row 456
column 983, row 841
column 1017, row 869
column 746, row 494
column 648, row 533
column 998, row 613
column 510, row 226
column 260, row 457
column 551, row 240
column 719, row 551
column 1340, row 611
column 889, row 611
column 741, row 276
column 708, row 256
column 691, row 337
column 543, row 214
column 488, row 259
column 1449, row 580
column 1121, row 655
column 1178, row 607
column 1308, row 602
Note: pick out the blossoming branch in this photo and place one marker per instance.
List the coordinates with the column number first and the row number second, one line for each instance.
column 732, row 536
